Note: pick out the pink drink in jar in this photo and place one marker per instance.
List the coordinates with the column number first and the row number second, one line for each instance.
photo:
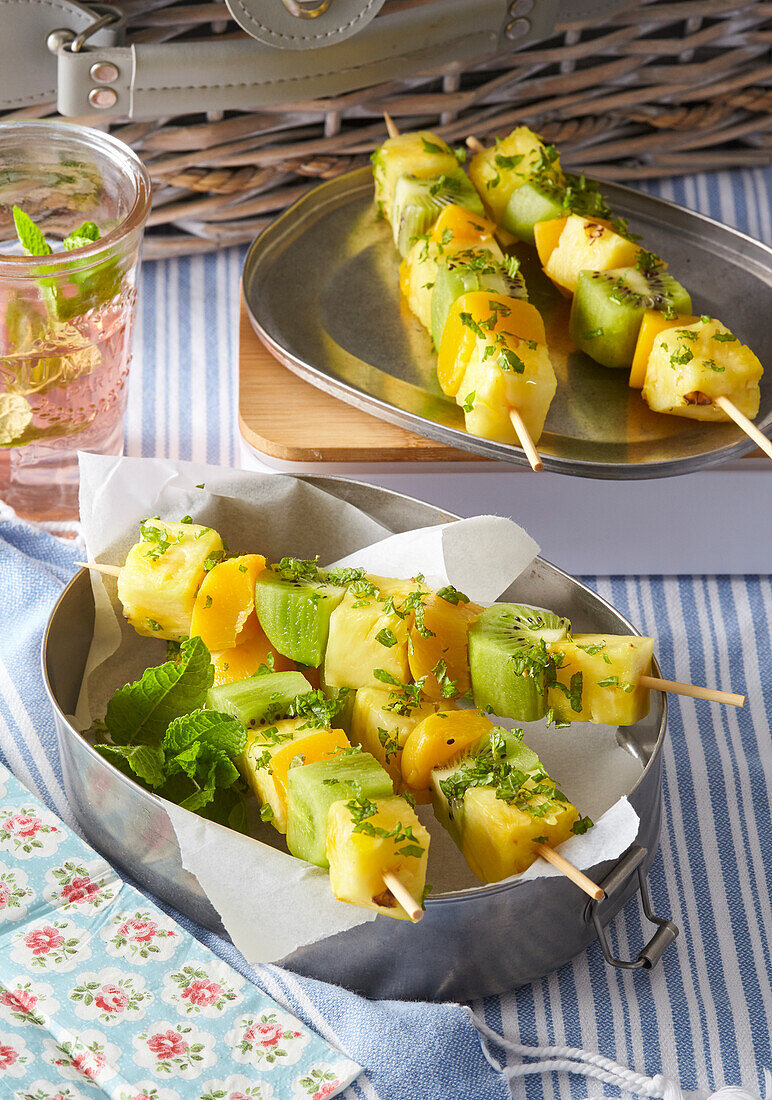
column 66, row 319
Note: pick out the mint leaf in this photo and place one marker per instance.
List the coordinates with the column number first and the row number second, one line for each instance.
column 144, row 761
column 139, row 713
column 208, row 769
column 84, row 235
column 30, row 235
column 223, row 732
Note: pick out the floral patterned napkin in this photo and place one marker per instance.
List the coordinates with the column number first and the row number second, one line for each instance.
column 102, row 993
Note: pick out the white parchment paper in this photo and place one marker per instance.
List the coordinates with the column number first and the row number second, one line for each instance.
column 270, row 902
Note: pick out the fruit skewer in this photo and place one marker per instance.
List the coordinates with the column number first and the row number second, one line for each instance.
column 351, row 616
column 289, row 792
column 533, row 371
column 621, row 293
column 595, row 644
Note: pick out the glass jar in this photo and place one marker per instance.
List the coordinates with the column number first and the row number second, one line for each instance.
column 66, row 319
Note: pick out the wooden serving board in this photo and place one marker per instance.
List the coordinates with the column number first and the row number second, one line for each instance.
column 287, row 418
column 283, row 416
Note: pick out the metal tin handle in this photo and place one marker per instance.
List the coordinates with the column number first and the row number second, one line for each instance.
column 666, row 932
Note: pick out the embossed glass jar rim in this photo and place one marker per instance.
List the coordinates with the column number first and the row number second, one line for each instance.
column 97, row 145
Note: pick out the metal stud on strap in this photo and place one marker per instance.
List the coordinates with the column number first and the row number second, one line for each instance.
column 306, row 9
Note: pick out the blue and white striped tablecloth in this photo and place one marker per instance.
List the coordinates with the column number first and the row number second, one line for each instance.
column 703, row 1016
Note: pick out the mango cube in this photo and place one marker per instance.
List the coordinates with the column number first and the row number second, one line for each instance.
column 225, row 601
column 271, row 752
column 365, row 841
column 598, row 679
column 692, row 365
column 251, row 652
column 437, row 739
column 439, row 656
column 162, row 575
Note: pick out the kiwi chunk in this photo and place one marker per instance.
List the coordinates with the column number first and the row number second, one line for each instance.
column 509, row 662
column 259, row 700
column 419, row 202
column 312, row 789
column 543, row 198
column 608, row 309
column 294, row 611
column 472, row 269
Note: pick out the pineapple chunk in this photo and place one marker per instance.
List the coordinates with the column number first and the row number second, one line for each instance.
column 690, row 366
column 588, row 244
column 364, row 636
column 597, row 679
column 495, row 801
column 383, row 732
column 654, row 322
column 162, row 574
column 361, row 849
column 270, row 752
column 420, row 154
column 494, row 314
column 498, row 171
column 438, row 739
column 492, row 386
column 225, row 601
column 444, row 652
column 456, row 230
column 498, row 837
column 252, row 650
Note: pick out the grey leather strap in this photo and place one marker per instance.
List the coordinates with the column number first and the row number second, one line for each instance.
column 272, row 22
column 187, row 77
column 151, row 81
column 28, row 71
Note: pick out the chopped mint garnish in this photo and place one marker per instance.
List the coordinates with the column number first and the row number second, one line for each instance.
column 433, row 148
column 452, row 595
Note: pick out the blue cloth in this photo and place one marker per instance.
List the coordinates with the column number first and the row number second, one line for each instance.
column 702, row 1017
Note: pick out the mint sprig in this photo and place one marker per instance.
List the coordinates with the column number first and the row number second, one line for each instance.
column 163, row 740
column 140, row 713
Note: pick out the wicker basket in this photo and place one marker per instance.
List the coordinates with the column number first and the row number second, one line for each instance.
column 657, row 89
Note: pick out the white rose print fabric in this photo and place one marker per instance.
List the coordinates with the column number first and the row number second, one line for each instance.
column 103, row 995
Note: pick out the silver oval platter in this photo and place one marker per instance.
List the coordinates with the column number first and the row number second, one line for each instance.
column 322, row 288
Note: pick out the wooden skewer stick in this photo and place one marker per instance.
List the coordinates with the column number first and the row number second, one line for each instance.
column 403, row 896
column 526, row 442
column 475, row 145
column 562, row 864
column 391, row 125
column 742, row 421
column 98, row 567
column 693, row 691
